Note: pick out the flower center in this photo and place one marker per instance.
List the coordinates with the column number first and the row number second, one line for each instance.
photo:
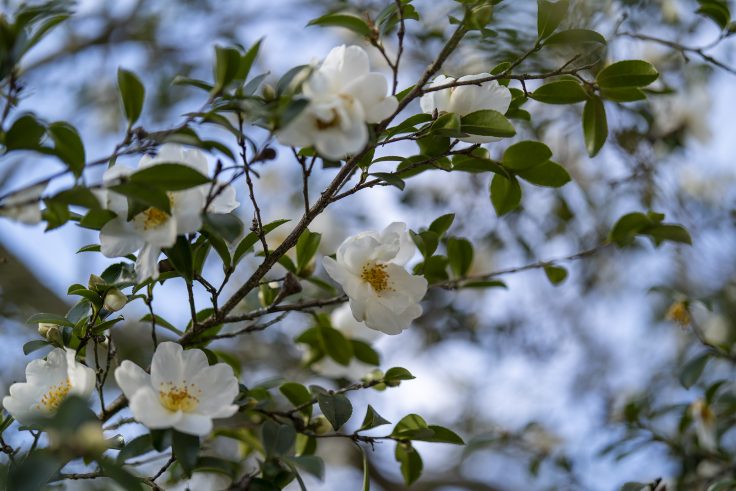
column 376, row 276
column 333, row 122
column 179, row 397
column 53, row 397
column 153, row 217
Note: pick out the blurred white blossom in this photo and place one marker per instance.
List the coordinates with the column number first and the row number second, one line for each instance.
column 24, row 206
column 343, row 96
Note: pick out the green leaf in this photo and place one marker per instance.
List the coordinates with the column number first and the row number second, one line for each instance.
column 635, row 486
column 372, row 419
column 34, row 345
column 169, row 177
column 310, row 463
column 250, row 240
column 96, row 219
column 487, row 123
column 525, row 155
column 132, row 94
column 549, row 16
column 555, row 274
column 366, row 471
column 432, row 146
column 395, row 374
column 306, row 248
column 336, row 345
column 560, row 92
column 68, row 146
column 135, row 448
column 447, row 124
column 549, row 174
column 277, row 438
column 623, row 94
column 442, row 435
column 669, row 232
column 25, row 134
column 141, row 196
column 160, row 321
column 692, row 370
column 440, row 225
column 120, row 475
column 723, row 485
column 49, row 319
column 225, row 225
column 410, row 460
column 350, row 22
column 227, row 64
column 34, row 471
column 248, row 59
column 716, row 10
column 627, row 73
column 472, row 163
column 627, row 227
column 576, row 37
column 336, row 408
column 365, row 353
column 595, row 125
column 390, row 178
column 297, row 394
column 79, row 196
column 459, row 255
column 180, row 257
column 505, row 194
column 186, row 450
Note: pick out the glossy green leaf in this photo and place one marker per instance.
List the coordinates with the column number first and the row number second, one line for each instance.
column 459, row 255
column 560, row 92
column 372, row 419
column 336, row 345
column 411, row 462
column 250, row 240
column 278, row 439
column 627, row 73
column 169, row 177
column 441, row 224
column 549, row 174
column 186, row 450
column 25, row 134
column 505, row 194
column 350, row 22
column 132, row 94
column 576, row 38
column 549, row 16
column 595, row 125
column 525, row 155
column 336, row 408
column 68, row 146
column 692, row 370
column 487, row 123
column 555, row 274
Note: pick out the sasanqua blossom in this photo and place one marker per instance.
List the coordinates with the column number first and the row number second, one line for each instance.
column 466, row 99
column 343, row 96
column 48, row 383
column 370, row 268
column 182, row 392
column 24, row 206
column 153, row 229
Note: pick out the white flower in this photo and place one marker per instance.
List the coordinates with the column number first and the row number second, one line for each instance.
column 343, row 96
column 182, row 392
column 24, row 206
column 152, row 229
column 705, row 425
column 369, row 267
column 115, row 300
column 342, row 319
column 48, row 383
column 685, row 112
column 201, row 481
column 466, row 99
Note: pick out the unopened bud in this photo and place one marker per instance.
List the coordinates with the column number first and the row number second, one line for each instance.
column 91, row 438
column 115, row 300
column 51, row 332
column 95, row 281
column 321, row 425
column 116, row 443
column 269, row 93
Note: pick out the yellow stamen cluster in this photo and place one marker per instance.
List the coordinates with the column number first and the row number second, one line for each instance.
column 179, row 397
column 377, row 277
column 153, row 217
column 679, row 314
column 53, row 397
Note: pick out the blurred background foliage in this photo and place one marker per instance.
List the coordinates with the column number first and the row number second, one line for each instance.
column 583, row 385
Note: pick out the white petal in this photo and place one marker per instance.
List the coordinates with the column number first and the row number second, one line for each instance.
column 155, row 229
column 118, row 238
column 381, row 318
column 357, row 251
column 130, row 378
column 147, row 409
column 345, row 63
column 28, row 209
column 194, row 424
column 225, row 202
column 370, row 90
column 334, row 269
column 194, row 362
column 187, row 209
column 81, row 377
column 167, row 365
column 342, row 319
column 219, row 389
column 300, row 131
column 146, row 265
column 466, row 99
column 438, row 99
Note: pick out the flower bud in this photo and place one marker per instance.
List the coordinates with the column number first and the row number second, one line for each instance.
column 115, row 300
column 268, row 92
column 95, row 281
column 321, row 425
column 51, row 332
column 116, row 443
column 91, row 438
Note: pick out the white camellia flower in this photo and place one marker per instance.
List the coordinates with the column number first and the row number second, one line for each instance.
column 182, row 392
column 201, row 481
column 343, row 96
column 152, row 229
column 24, row 206
column 370, row 268
column 48, row 383
column 466, row 99
column 342, row 319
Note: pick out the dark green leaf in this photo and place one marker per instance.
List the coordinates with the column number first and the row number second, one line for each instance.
column 549, row 16
column 336, row 408
column 34, row 345
column 336, row 345
column 716, row 10
column 169, row 177
column 34, row 471
column 550, row 174
column 120, row 475
column 624, row 94
column 595, row 125
column 186, row 450
column 365, row 353
column 49, row 319
column 391, row 179
column 142, row 196
column 505, row 194
column 525, row 155
column 627, row 73
column 692, row 370
column 668, row 232
column 132, row 93
column 309, row 463
column 227, row 64
column 136, row 447
column 250, row 240
column 487, row 123
column 96, row 219
column 576, row 38
column 440, row 225
column 560, row 92
column 25, row 134
column 397, row 374
column 277, row 438
column 180, row 257
column 555, row 274
column 350, row 22
column 297, row 394
column 372, row 419
column 627, row 227
column 68, row 146
column 411, row 462
column 80, row 196
column 225, row 225
column 306, row 248
column 459, row 255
